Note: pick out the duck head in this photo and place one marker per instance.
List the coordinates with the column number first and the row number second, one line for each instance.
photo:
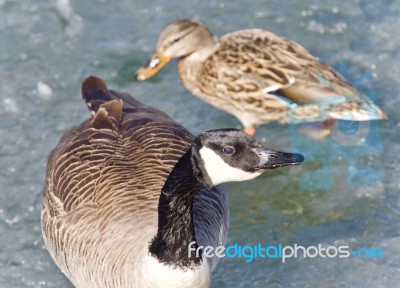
column 178, row 39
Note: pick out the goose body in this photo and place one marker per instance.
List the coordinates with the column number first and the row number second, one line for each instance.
column 258, row 76
column 128, row 189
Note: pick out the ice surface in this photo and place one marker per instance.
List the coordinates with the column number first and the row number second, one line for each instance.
column 73, row 21
column 340, row 195
column 44, row 90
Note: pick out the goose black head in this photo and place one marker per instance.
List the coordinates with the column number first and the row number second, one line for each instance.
column 228, row 155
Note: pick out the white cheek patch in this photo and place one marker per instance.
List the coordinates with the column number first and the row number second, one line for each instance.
column 220, row 172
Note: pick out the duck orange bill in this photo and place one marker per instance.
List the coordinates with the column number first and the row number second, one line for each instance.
column 156, row 62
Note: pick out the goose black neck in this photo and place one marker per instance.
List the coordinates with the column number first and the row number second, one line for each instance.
column 175, row 217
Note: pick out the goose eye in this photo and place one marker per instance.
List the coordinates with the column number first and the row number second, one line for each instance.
column 228, row 150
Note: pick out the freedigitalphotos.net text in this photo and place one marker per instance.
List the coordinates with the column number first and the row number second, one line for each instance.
column 282, row 252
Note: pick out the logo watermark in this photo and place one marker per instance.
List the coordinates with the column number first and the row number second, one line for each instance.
column 349, row 140
column 282, row 252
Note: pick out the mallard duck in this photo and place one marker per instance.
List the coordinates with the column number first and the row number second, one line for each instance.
column 129, row 190
column 258, row 76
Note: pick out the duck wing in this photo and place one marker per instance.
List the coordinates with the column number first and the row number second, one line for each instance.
column 257, row 62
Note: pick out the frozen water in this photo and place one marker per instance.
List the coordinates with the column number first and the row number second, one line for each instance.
column 72, row 20
column 44, row 90
column 340, row 196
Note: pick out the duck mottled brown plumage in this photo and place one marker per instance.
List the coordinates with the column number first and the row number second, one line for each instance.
column 258, row 76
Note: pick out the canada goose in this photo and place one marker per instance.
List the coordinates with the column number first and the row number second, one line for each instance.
column 244, row 72
column 128, row 190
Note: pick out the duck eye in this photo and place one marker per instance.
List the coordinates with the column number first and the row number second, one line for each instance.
column 228, row 150
column 174, row 41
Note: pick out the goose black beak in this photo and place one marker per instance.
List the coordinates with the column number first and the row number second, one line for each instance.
column 270, row 159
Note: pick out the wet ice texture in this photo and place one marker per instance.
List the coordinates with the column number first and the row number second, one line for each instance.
column 48, row 48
